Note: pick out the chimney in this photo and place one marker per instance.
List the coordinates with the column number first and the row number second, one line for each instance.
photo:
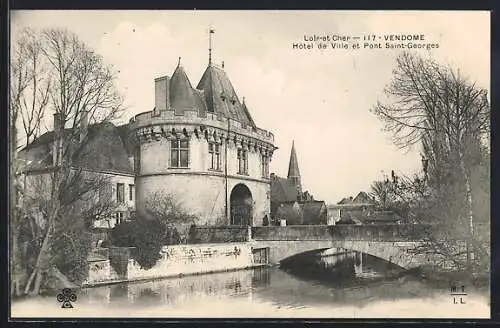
column 162, row 96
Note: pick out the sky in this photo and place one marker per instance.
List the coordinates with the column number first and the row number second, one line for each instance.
column 320, row 99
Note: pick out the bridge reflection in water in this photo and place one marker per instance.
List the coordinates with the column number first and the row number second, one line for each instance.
column 270, row 292
column 305, row 276
column 340, row 265
column 265, row 289
column 330, row 282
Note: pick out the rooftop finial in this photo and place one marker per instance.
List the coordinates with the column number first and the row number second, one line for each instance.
column 222, row 64
column 243, row 100
column 211, row 31
column 179, row 63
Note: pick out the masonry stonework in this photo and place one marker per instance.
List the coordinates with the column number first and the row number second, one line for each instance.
column 235, row 182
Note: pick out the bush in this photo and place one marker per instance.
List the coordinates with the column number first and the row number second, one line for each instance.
column 71, row 250
column 161, row 223
column 147, row 236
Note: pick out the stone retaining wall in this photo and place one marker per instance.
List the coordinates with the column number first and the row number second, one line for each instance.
column 176, row 260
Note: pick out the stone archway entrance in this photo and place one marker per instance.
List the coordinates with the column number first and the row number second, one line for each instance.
column 241, row 206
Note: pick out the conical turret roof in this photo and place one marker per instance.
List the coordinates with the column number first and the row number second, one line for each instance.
column 220, row 96
column 183, row 96
column 293, row 167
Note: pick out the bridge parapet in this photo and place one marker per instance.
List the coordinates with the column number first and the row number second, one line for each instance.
column 386, row 232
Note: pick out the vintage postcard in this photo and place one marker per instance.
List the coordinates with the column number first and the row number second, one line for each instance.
column 250, row 164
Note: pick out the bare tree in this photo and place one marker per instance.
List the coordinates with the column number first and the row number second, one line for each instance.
column 381, row 191
column 29, row 96
column 81, row 205
column 439, row 107
column 164, row 208
column 429, row 102
column 80, row 91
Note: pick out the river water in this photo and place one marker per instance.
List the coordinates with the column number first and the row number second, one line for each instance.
column 270, row 293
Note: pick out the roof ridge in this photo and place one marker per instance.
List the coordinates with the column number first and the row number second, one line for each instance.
column 228, row 111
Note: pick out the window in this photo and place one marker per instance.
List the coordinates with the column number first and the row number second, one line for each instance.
column 265, row 166
column 119, row 217
column 180, row 153
column 242, row 161
column 120, row 192
column 131, row 192
column 214, row 155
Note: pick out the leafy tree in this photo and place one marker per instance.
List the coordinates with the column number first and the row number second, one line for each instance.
column 156, row 226
column 147, row 236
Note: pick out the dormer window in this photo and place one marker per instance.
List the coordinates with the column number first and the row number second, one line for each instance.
column 222, row 96
column 179, row 153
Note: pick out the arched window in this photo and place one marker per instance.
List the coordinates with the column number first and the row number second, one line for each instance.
column 179, row 153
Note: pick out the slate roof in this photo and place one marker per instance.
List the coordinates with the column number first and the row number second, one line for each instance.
column 383, row 217
column 105, row 150
column 220, row 96
column 282, row 190
column 313, row 212
column 362, row 198
column 291, row 212
column 183, row 96
column 345, row 201
column 351, row 207
column 128, row 139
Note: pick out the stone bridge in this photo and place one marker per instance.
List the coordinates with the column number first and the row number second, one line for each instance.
column 393, row 243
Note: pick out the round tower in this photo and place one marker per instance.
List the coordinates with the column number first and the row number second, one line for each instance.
column 201, row 147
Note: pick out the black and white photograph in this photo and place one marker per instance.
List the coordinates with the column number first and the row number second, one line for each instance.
column 249, row 164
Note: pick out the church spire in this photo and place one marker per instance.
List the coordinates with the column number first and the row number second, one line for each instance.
column 293, row 170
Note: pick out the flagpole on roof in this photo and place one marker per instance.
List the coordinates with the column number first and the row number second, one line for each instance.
column 210, row 32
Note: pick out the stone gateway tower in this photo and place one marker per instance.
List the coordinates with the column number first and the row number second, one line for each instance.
column 201, row 147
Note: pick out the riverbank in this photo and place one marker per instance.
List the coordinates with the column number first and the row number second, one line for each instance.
column 260, row 293
column 169, row 276
column 175, row 261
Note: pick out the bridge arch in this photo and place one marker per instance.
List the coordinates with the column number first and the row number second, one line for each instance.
column 396, row 252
